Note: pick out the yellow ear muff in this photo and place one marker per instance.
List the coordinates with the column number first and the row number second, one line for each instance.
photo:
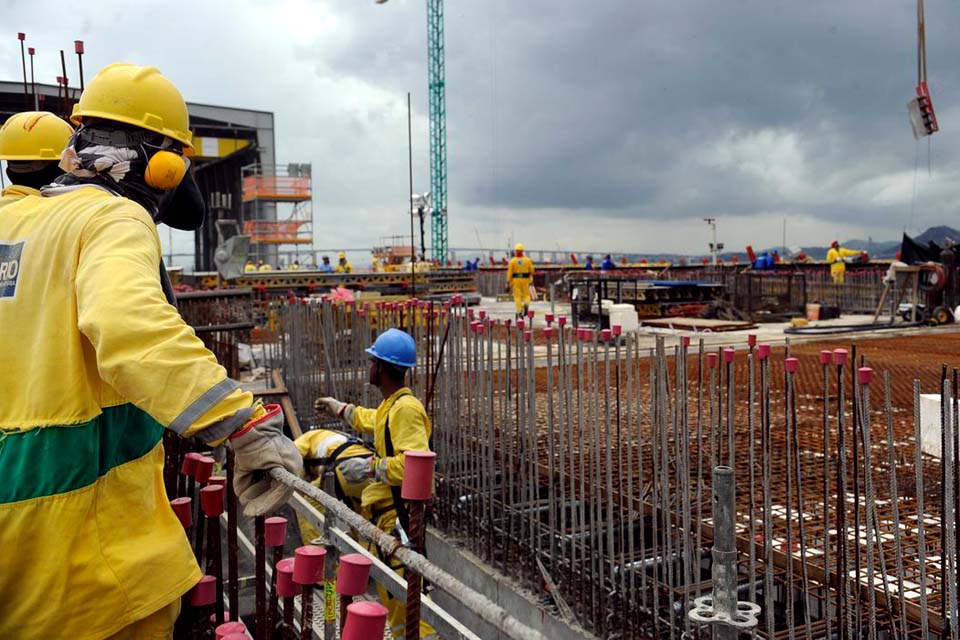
column 165, row 170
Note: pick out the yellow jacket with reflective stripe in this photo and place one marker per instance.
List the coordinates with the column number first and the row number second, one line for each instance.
column 409, row 431
column 95, row 364
column 520, row 268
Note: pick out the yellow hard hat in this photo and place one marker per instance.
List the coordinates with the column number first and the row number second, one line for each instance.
column 519, row 247
column 34, row 135
column 136, row 95
column 342, row 255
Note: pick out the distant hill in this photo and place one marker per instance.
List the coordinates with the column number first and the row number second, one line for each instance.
column 938, row 235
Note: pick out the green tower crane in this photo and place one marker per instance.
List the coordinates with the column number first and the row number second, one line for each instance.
column 436, row 84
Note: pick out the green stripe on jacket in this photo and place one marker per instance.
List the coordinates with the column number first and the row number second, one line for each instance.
column 52, row 460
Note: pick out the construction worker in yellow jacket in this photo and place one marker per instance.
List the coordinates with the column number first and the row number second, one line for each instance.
column 835, row 256
column 31, row 142
column 520, row 279
column 96, row 364
column 398, row 425
column 343, row 266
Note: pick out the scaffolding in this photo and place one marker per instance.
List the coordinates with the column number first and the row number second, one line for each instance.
column 278, row 212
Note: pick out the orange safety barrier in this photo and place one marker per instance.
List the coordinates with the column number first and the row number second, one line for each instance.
column 269, row 231
column 276, row 188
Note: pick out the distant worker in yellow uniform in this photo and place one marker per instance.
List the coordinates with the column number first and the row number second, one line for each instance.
column 87, row 404
column 835, row 257
column 250, row 267
column 343, row 266
column 398, row 425
column 31, row 142
column 520, row 278
column 264, row 266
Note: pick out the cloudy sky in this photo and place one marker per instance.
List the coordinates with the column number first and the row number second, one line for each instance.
column 608, row 125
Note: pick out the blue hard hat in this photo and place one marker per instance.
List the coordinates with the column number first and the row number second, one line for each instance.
column 396, row 347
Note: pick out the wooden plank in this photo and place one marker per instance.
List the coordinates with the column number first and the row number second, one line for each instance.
column 698, row 324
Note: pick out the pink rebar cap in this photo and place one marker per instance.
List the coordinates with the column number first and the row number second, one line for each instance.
column 527, row 335
column 275, row 531
column 826, row 357
column 237, row 636
column 617, row 330
column 548, row 333
column 204, row 592
column 365, row 621
column 218, row 480
column 286, row 587
column 840, row 357
column 189, row 465
column 204, row 468
column 791, row 364
column 483, row 314
column 531, row 313
column 763, row 350
column 562, row 321
column 353, row 574
column 685, row 341
column 865, row 374
column 751, row 339
column 418, row 474
column 711, row 360
column 548, row 317
column 729, row 354
column 183, row 508
column 308, row 564
column 228, row 629
column 211, row 500
column 605, row 335
column 521, row 324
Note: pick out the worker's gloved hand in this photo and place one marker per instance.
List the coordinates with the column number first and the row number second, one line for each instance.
column 356, row 470
column 329, row 406
column 258, row 447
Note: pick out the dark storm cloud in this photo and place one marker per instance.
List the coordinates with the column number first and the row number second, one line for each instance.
column 614, row 105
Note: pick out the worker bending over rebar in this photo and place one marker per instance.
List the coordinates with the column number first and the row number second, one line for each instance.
column 398, row 425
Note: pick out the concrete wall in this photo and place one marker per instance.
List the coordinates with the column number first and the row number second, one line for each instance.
column 472, row 571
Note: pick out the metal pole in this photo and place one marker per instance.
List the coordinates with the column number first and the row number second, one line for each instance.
column 413, row 249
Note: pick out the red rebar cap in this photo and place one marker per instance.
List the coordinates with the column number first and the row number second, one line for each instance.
column 531, row 313
column 228, row 629
column 21, row 36
column 751, row 339
column 218, row 480
column 457, row 299
column 189, row 465
column 562, row 321
column 204, row 593
column 204, row 468
column 729, row 354
column 286, row 587
column 211, row 500
column 417, row 475
column 605, row 335
column 521, row 324
column 183, row 509
column 617, row 330
column 685, row 341
column 840, row 357
column 353, row 574
column 548, row 333
column 712, row 360
column 470, row 313
column 78, row 46
column 508, row 322
column 479, row 328
column 549, row 318
column 237, row 636
column 31, row 50
column 865, row 374
column 483, row 314
column 826, row 357
column 365, row 621
column 763, row 351
column 791, row 364
column 527, row 335
column 308, row 564
column 275, row 531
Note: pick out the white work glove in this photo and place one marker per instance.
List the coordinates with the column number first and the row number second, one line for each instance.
column 334, row 409
column 359, row 469
column 259, row 447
